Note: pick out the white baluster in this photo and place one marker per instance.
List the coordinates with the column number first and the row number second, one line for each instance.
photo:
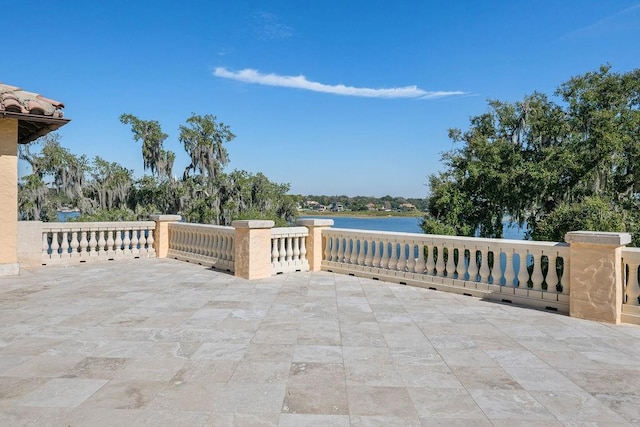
column 509, row 272
column 473, row 264
column 296, row 248
column 55, row 245
column 282, row 252
column 126, row 242
column 93, row 242
column 393, row 256
column 552, row 275
column 347, row 250
column 384, row 255
column 375, row 262
column 451, row 266
column 523, row 272
column 134, row 242
column 110, row 241
column 84, row 244
column 64, row 247
column 274, row 250
column 303, row 248
column 485, row 271
column 564, row 280
column 440, row 262
column 537, row 276
column 101, row 241
column 355, row 251
column 45, row 244
column 431, row 265
column 150, row 241
column 632, row 290
column 329, row 248
column 118, row 242
column 420, row 262
column 368, row 256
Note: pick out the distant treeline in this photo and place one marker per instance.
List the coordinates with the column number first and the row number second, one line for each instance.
column 363, row 203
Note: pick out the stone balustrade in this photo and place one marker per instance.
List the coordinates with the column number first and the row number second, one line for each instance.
column 209, row 245
column 524, row 272
column 592, row 276
column 70, row 242
column 289, row 249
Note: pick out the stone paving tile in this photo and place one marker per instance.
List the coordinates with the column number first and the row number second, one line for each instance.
column 162, row 342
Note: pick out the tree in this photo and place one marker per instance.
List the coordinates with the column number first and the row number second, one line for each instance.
column 204, row 140
column 154, row 158
column 537, row 161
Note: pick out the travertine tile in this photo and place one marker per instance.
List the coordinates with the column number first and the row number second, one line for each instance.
column 62, row 393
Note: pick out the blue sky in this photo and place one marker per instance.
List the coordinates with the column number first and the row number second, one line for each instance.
column 333, row 97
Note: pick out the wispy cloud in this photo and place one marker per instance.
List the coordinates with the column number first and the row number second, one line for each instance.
column 249, row 75
column 267, row 26
column 625, row 19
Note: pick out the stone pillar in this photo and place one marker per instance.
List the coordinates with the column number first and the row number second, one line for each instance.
column 315, row 247
column 30, row 243
column 161, row 233
column 595, row 275
column 252, row 248
column 9, row 197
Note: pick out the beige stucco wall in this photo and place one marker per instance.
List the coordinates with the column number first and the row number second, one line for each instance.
column 315, row 245
column 161, row 233
column 8, row 197
column 30, row 243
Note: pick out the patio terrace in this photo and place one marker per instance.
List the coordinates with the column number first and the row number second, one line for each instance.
column 165, row 342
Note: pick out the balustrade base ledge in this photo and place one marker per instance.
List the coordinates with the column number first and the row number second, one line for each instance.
column 11, row 269
column 215, row 263
column 631, row 314
column 503, row 294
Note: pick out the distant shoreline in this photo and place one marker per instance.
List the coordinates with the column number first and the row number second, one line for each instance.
column 362, row 214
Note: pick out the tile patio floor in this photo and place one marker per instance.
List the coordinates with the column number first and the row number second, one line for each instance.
column 162, row 342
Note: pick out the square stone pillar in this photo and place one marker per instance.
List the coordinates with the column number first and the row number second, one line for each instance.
column 595, row 275
column 9, row 197
column 161, row 233
column 252, row 248
column 315, row 245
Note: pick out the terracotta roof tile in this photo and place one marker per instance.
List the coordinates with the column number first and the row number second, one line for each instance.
column 16, row 100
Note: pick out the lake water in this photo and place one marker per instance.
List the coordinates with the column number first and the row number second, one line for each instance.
column 400, row 224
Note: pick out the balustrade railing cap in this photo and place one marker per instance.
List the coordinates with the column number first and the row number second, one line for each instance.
column 253, row 223
column 315, row 222
column 165, row 217
column 598, row 238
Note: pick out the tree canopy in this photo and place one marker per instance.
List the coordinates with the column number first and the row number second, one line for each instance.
column 552, row 166
column 106, row 191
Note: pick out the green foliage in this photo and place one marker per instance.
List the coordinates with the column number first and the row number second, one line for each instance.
column 106, row 191
column 541, row 162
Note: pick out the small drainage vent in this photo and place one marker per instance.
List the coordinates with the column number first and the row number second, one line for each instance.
column 375, row 278
column 351, row 274
column 403, row 283
column 507, row 300
column 551, row 308
column 432, row 288
column 467, row 295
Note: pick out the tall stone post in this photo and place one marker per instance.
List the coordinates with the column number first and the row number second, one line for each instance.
column 161, row 233
column 595, row 274
column 252, row 248
column 9, row 197
column 315, row 245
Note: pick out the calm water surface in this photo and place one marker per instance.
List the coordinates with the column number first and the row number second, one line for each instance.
column 400, row 224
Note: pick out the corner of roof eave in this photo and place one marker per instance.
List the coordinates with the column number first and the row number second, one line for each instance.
column 49, row 124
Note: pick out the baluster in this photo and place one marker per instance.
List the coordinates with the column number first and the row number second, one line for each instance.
column 440, row 266
column 347, row 251
column 564, row 280
column 384, row 255
column 431, row 265
column 509, row 272
column 368, row 253
column 289, row 247
column 362, row 251
column 118, row 242
column 93, row 242
column 393, row 256
column 485, row 271
column 134, row 241
column 355, row 251
column 341, row 244
column 330, row 248
column 150, row 240
column 632, row 289
column 45, row 243
column 420, row 262
column 55, row 245
column 462, row 258
column 101, row 241
column 410, row 264
column 126, row 242
column 401, row 264
column 110, row 241
column 296, row 248
column 537, row 276
column 274, row 250
column 451, row 266
column 83, row 242
column 64, row 246
column 218, row 249
column 473, row 264
column 552, row 274
column 303, row 248
column 375, row 262
column 523, row 272
column 282, row 252
column 142, row 241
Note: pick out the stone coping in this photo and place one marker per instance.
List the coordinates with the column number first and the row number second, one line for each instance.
column 598, row 238
column 253, row 223
column 315, row 222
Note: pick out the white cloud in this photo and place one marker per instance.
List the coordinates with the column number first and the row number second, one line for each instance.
column 249, row 75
